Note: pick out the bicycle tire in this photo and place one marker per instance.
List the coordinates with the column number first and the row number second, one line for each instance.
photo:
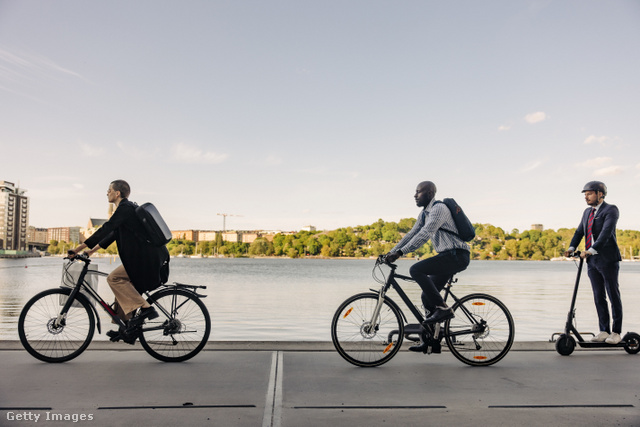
column 42, row 339
column 494, row 341
column 358, row 344
column 182, row 334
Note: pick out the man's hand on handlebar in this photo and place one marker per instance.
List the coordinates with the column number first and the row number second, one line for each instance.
column 391, row 257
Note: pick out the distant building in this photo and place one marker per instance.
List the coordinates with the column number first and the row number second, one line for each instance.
column 235, row 236
column 65, row 234
column 92, row 226
column 207, row 235
column 309, row 228
column 185, row 235
column 37, row 238
column 537, row 227
column 14, row 217
column 37, row 235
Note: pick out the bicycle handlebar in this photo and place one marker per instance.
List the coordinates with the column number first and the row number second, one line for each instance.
column 382, row 259
column 81, row 256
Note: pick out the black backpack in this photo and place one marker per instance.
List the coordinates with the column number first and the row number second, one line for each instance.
column 156, row 230
column 466, row 231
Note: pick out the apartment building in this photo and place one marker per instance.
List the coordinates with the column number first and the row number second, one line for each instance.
column 14, row 217
column 65, row 234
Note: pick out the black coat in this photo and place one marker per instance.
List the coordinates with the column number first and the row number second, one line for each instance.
column 146, row 265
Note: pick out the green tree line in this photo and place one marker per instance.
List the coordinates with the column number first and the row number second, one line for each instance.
column 491, row 243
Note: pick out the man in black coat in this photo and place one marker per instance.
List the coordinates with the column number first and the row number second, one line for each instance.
column 598, row 227
column 144, row 266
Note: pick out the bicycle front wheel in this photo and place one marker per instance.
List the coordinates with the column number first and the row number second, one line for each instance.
column 362, row 340
column 482, row 331
column 181, row 330
column 50, row 343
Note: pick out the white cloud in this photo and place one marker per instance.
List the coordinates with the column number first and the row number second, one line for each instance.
column 602, row 140
column 91, row 151
column 609, row 171
column 536, row 117
column 503, row 128
column 595, row 162
column 184, row 153
column 18, row 64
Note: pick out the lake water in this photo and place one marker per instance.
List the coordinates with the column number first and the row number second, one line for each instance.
column 295, row 299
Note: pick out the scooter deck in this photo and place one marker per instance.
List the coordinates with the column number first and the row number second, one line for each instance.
column 588, row 344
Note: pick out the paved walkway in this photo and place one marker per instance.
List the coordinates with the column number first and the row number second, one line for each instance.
column 308, row 384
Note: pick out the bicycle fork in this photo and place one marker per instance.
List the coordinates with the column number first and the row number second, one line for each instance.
column 373, row 322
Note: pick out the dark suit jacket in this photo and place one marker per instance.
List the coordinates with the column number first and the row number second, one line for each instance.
column 603, row 230
column 147, row 266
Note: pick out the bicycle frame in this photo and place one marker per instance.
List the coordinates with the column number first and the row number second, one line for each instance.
column 82, row 284
column 391, row 282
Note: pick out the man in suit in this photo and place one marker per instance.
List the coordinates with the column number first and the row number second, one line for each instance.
column 598, row 227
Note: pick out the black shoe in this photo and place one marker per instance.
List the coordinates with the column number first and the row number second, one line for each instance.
column 143, row 314
column 148, row 313
column 114, row 336
column 439, row 315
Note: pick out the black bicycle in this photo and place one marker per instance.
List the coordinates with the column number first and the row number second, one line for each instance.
column 368, row 329
column 58, row 324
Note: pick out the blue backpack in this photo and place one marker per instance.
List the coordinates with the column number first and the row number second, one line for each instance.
column 466, row 231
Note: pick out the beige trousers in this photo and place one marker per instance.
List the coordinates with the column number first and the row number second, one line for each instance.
column 127, row 297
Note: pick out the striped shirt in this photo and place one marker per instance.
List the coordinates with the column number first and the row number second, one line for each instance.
column 431, row 223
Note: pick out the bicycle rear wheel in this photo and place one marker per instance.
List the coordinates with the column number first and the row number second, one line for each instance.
column 361, row 342
column 181, row 330
column 47, row 342
column 482, row 331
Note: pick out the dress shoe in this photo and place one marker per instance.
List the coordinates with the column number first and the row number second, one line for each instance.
column 148, row 313
column 439, row 315
column 601, row 337
column 143, row 314
column 614, row 338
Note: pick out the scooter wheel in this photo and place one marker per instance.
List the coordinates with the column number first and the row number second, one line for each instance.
column 565, row 345
column 632, row 341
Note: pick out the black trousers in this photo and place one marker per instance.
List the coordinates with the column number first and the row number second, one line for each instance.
column 432, row 274
column 604, row 281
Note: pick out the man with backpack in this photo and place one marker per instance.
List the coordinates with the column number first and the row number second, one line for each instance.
column 435, row 223
column 144, row 265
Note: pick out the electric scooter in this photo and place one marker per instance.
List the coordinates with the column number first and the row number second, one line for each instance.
column 566, row 343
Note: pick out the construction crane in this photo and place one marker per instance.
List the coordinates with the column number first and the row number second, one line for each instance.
column 224, row 220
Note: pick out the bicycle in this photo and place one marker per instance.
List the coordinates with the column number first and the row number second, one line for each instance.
column 58, row 324
column 368, row 328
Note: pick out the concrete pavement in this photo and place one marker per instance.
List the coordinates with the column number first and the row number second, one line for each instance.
column 309, row 384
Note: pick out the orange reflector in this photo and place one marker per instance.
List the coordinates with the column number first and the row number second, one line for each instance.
column 480, row 357
column 347, row 313
column 477, row 303
column 386, row 350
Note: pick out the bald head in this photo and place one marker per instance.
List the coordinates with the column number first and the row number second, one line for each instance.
column 425, row 192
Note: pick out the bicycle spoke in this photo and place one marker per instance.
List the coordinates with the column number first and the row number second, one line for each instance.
column 360, row 341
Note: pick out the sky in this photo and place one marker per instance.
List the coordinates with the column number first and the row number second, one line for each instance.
column 284, row 114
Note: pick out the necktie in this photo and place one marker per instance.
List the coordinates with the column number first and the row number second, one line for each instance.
column 589, row 240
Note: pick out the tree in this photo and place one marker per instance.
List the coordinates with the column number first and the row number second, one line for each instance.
column 261, row 247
